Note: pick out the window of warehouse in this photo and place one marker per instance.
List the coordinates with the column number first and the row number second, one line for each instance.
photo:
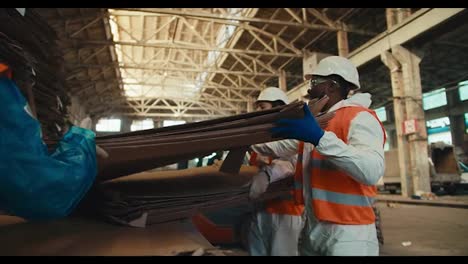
column 439, row 130
column 108, row 125
column 466, row 122
column 142, row 124
column 463, row 90
column 173, row 122
column 381, row 113
column 386, row 146
column 387, row 142
column 434, row 99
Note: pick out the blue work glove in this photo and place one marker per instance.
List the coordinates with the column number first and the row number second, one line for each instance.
column 306, row 129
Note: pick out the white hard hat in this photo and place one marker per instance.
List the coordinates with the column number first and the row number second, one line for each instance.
column 272, row 94
column 339, row 66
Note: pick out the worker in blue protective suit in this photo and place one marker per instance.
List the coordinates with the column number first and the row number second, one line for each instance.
column 35, row 184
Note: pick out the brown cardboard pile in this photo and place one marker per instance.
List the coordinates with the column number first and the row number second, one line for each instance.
column 148, row 198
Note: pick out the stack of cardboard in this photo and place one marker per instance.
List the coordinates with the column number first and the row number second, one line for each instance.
column 153, row 197
column 28, row 45
column 140, row 151
column 150, row 198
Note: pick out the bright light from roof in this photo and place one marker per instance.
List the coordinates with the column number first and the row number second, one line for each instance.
column 225, row 33
column 173, row 122
column 116, row 36
column 142, row 124
column 161, row 83
column 108, row 125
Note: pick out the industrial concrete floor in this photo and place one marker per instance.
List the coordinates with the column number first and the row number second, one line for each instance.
column 432, row 231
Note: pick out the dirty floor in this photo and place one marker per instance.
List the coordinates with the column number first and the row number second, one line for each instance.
column 432, row 231
column 429, row 230
column 425, row 230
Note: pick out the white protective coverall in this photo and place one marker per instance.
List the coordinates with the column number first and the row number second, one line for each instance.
column 362, row 158
column 274, row 234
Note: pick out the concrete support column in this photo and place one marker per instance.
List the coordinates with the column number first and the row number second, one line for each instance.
column 250, row 104
column 125, row 124
column 402, row 14
column 418, row 145
column 282, row 81
column 400, row 115
column 157, row 123
column 396, row 15
column 343, row 47
column 407, row 93
column 390, row 15
column 407, row 105
column 93, row 123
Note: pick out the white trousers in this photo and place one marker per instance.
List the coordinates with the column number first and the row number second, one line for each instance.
column 328, row 239
column 275, row 234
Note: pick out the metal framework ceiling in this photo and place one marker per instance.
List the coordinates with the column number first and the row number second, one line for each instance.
column 189, row 63
column 195, row 63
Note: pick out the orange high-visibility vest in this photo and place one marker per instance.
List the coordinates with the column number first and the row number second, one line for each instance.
column 291, row 205
column 336, row 196
column 5, row 70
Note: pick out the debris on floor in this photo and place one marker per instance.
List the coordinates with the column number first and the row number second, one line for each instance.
column 204, row 252
column 424, row 196
column 406, row 243
column 198, row 252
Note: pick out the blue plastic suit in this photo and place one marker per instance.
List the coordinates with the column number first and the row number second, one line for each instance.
column 34, row 184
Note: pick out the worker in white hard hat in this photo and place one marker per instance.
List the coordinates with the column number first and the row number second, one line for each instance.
column 353, row 78
column 277, row 224
column 341, row 171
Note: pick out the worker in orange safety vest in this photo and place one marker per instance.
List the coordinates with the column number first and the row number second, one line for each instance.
column 342, row 163
column 276, row 227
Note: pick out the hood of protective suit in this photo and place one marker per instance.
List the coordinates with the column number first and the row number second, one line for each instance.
column 358, row 99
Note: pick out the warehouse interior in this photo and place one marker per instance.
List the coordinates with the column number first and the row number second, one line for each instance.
column 167, row 91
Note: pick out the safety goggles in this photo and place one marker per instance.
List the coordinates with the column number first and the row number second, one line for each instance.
column 316, row 81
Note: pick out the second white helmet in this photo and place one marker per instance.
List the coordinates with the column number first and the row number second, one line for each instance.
column 339, row 66
column 272, row 94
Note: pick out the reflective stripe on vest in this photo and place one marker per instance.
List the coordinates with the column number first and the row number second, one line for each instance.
column 336, row 196
column 293, row 203
column 342, row 198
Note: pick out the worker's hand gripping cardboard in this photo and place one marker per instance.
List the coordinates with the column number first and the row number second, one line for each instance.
column 100, row 152
column 308, row 129
column 319, row 121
